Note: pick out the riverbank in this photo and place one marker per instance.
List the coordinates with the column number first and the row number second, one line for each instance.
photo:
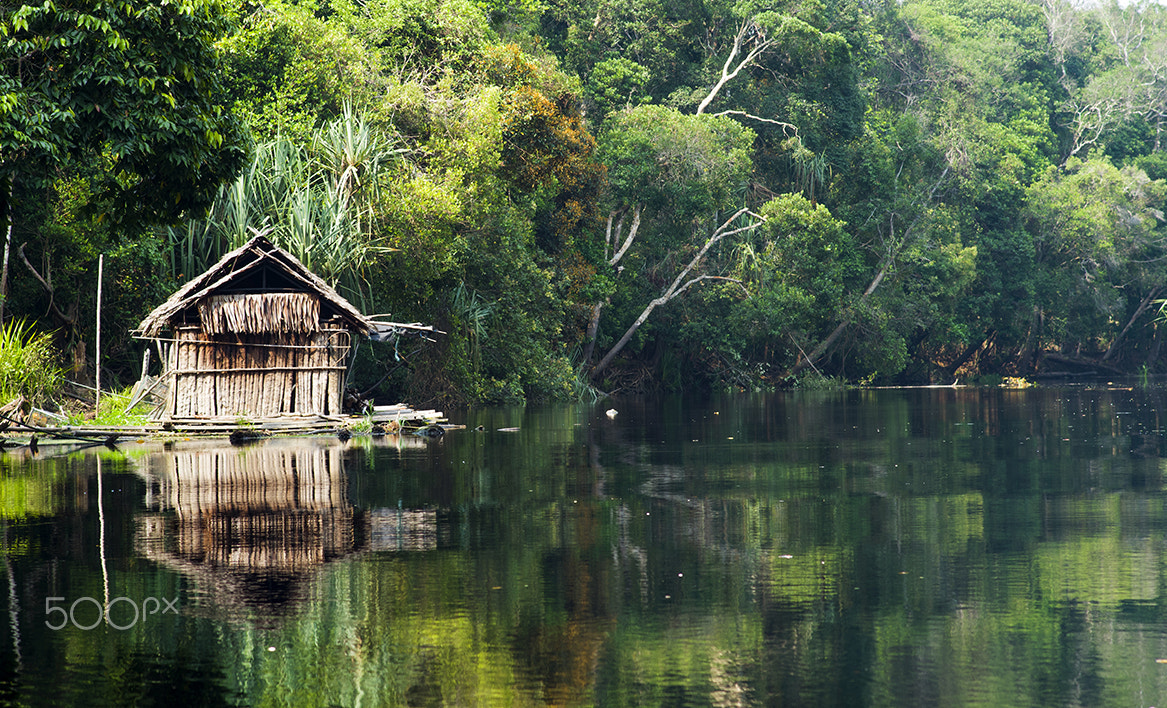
column 381, row 420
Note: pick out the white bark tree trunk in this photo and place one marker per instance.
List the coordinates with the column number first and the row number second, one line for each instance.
column 9, row 186
column 749, row 31
column 679, row 284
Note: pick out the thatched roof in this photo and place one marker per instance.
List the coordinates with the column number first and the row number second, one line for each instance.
column 256, row 288
column 297, row 313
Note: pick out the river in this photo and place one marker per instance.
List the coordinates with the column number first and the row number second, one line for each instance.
column 862, row 548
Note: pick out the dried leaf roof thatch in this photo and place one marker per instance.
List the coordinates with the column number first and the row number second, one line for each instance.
column 257, row 313
column 223, row 310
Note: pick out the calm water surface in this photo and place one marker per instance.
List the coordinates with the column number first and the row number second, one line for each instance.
column 864, row 548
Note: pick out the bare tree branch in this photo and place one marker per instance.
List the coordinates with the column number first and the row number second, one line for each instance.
column 699, row 278
column 48, row 286
column 632, row 231
column 748, row 33
column 786, row 127
column 608, row 230
column 679, row 284
column 1065, row 33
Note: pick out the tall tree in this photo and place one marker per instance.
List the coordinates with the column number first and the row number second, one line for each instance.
column 742, row 220
column 133, row 82
column 1098, row 251
column 669, row 175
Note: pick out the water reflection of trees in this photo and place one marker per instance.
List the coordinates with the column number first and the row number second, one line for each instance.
column 900, row 518
column 904, row 549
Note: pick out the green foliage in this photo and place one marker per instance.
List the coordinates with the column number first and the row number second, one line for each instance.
column 28, row 364
column 685, row 164
column 319, row 205
column 671, row 176
column 807, row 249
column 796, row 268
column 288, row 71
column 419, row 35
column 471, row 163
column 1097, row 243
column 113, row 410
column 663, row 37
column 112, row 118
column 947, row 183
column 136, row 82
column 614, row 84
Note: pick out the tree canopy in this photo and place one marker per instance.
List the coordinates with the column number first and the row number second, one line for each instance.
column 925, row 190
column 136, row 83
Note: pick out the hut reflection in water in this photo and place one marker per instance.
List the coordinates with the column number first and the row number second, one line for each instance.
column 252, row 525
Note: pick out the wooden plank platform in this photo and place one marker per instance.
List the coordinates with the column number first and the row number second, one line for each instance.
column 400, row 416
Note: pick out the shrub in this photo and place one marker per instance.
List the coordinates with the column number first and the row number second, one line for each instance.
column 113, row 410
column 28, row 364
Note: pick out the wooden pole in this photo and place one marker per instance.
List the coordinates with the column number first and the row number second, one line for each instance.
column 97, row 353
column 8, row 187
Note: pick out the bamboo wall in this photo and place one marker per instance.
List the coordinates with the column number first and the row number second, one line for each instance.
column 256, row 375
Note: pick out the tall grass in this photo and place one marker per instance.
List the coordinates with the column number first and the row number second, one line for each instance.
column 114, row 411
column 28, row 364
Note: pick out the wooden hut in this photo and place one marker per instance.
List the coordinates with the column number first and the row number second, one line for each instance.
column 257, row 336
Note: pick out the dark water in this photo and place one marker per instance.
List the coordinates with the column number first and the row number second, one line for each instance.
column 884, row 548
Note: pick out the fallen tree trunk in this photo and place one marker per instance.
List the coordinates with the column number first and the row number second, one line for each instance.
column 967, row 354
column 1081, row 361
column 1146, row 303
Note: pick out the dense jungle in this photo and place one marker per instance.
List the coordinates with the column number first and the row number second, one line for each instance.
column 604, row 195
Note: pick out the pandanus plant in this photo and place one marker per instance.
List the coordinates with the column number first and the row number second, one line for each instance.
column 316, row 203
